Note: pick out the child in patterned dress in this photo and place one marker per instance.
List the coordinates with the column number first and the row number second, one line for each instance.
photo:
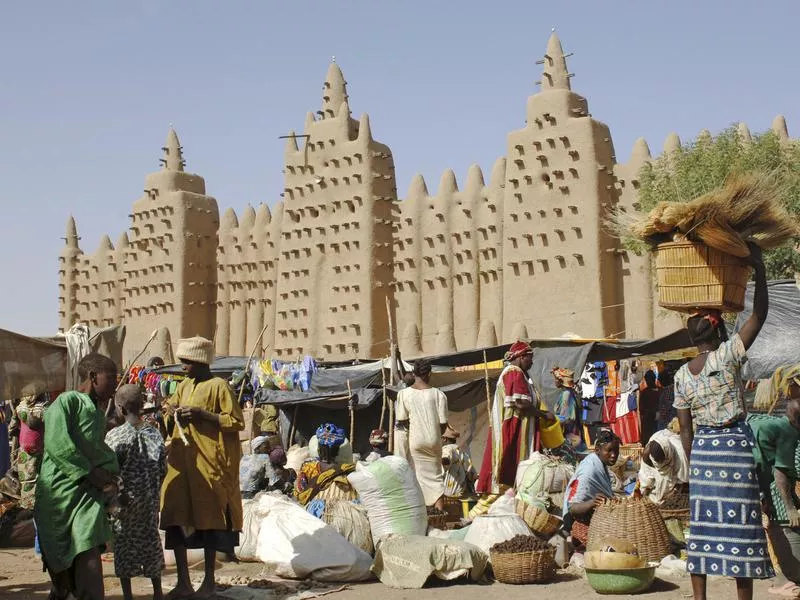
column 142, row 460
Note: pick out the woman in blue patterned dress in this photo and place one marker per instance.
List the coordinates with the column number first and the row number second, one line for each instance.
column 726, row 537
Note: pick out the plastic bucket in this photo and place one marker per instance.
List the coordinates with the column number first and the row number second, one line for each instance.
column 552, row 435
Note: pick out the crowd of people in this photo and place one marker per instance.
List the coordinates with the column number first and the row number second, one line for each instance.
column 96, row 464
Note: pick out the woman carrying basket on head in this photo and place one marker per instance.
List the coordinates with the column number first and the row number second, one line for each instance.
column 726, row 537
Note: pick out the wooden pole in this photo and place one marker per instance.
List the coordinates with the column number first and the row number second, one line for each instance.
column 133, row 362
column 352, row 413
column 383, row 386
column 392, row 343
column 247, row 364
column 486, row 381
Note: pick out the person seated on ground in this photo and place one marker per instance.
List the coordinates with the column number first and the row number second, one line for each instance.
column 664, row 472
column 282, row 479
column 255, row 469
column 459, row 473
column 323, row 477
column 776, row 454
column 591, row 484
column 377, row 441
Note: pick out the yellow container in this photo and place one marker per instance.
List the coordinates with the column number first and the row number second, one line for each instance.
column 552, row 435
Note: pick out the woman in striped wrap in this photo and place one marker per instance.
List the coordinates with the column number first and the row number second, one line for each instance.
column 726, row 537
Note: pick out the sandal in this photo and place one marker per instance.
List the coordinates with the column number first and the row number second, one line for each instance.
column 788, row 590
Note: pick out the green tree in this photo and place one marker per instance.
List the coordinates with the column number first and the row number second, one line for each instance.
column 703, row 164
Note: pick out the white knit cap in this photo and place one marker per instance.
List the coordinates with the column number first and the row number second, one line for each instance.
column 196, row 349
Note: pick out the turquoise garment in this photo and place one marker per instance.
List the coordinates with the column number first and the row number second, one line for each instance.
column 70, row 513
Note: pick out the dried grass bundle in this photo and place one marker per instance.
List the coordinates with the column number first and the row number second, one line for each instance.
column 747, row 208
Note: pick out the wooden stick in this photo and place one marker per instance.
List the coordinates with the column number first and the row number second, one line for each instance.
column 293, row 427
column 352, row 412
column 486, row 380
column 391, row 426
column 392, row 343
column 247, row 364
column 383, row 386
column 133, row 362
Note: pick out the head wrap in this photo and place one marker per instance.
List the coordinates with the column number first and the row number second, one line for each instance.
column 196, row 349
column 782, row 380
column 565, row 376
column 330, row 435
column 517, row 350
column 257, row 442
column 450, row 433
column 277, row 456
column 711, row 315
column 378, row 437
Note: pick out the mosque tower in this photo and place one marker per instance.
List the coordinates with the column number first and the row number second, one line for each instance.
column 559, row 191
column 336, row 255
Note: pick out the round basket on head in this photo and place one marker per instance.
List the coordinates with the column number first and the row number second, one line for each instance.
column 635, row 520
column 519, row 568
column 540, row 521
column 693, row 276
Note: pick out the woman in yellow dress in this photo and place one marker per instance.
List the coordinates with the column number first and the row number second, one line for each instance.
column 201, row 505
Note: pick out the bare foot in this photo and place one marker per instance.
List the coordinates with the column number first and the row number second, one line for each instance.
column 180, row 593
column 206, row 591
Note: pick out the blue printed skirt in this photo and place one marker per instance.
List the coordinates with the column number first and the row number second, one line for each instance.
column 726, row 536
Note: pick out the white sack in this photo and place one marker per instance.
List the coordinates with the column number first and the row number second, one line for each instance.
column 488, row 530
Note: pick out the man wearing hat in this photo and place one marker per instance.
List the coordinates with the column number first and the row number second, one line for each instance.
column 459, row 474
column 378, row 441
column 201, row 504
column 512, row 426
column 566, row 408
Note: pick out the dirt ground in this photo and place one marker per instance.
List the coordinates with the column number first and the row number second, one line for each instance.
column 21, row 578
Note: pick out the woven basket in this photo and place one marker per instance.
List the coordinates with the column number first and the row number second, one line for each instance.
column 540, row 521
column 437, row 521
column 635, row 520
column 692, row 276
column 521, row 568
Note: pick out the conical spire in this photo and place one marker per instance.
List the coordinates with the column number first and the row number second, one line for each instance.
column 229, row 220
column 672, row 143
column 248, row 218
column 744, row 132
column 291, row 142
column 555, row 76
column 334, row 91
column 448, row 184
column 498, row 177
column 364, row 129
column 105, row 244
column 418, row 187
column 263, row 216
column 780, row 128
column 123, row 241
column 474, row 179
column 72, row 233
column 173, row 152
column 641, row 151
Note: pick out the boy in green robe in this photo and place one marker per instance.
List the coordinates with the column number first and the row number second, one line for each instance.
column 76, row 481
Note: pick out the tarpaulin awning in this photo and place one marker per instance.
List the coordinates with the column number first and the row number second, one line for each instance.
column 34, row 365
column 778, row 343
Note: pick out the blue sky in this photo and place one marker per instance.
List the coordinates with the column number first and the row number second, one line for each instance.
column 88, row 90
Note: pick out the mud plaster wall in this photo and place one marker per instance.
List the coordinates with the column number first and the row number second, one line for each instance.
column 525, row 254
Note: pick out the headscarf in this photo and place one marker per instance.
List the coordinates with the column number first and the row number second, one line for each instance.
column 709, row 314
column 257, row 442
column 378, row 437
column 782, row 381
column 330, row 435
column 277, row 456
column 517, row 350
column 565, row 376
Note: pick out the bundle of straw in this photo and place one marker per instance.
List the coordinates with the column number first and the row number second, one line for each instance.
column 747, row 208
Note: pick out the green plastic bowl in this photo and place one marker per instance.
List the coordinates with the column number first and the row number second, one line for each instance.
column 621, row 581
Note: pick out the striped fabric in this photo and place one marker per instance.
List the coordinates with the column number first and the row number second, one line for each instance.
column 777, row 502
column 726, row 536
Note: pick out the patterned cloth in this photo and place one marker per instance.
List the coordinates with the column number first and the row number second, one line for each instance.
column 511, row 431
column 716, row 395
column 255, row 471
column 142, row 459
column 726, row 536
column 458, row 473
column 330, row 435
column 666, row 412
column 314, row 481
column 779, row 508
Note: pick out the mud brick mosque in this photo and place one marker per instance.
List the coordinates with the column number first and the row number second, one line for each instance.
column 522, row 254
